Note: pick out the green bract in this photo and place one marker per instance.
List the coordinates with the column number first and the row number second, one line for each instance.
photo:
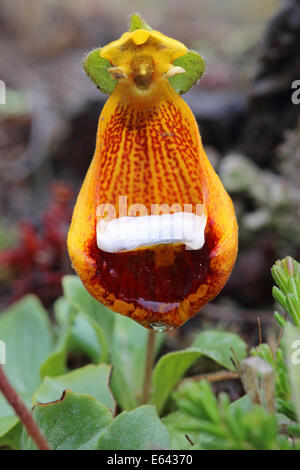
column 137, row 22
column 194, row 67
column 96, row 67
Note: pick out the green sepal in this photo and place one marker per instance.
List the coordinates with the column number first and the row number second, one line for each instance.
column 96, row 68
column 137, row 22
column 194, row 67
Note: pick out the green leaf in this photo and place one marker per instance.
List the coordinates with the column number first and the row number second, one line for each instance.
column 139, row 429
column 55, row 364
column 214, row 344
column 12, row 438
column 194, row 67
column 244, row 404
column 292, row 344
column 25, row 329
column 86, row 336
column 92, row 380
column 128, row 358
column 286, row 274
column 75, row 422
column 197, row 399
column 7, row 423
column 137, row 22
column 280, row 320
column 218, row 345
column 81, row 334
column 64, row 312
column 180, row 425
column 96, row 68
column 168, row 371
column 84, row 302
column 206, row 441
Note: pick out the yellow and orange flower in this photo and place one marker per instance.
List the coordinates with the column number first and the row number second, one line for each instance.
column 149, row 150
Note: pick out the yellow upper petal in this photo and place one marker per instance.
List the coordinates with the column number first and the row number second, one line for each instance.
column 151, row 45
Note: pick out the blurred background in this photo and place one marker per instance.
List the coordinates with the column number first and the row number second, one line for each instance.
column 249, row 125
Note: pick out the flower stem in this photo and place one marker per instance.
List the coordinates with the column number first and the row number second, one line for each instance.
column 23, row 413
column 148, row 367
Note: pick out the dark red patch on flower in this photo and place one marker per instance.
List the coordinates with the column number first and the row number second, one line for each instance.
column 136, row 277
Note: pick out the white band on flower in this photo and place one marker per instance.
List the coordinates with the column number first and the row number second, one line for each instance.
column 130, row 233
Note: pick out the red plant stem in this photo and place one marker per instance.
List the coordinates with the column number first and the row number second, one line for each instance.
column 21, row 410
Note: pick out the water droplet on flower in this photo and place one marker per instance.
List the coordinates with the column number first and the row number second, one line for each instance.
column 160, row 327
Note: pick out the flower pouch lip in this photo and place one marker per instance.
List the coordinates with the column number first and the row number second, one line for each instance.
column 153, row 233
